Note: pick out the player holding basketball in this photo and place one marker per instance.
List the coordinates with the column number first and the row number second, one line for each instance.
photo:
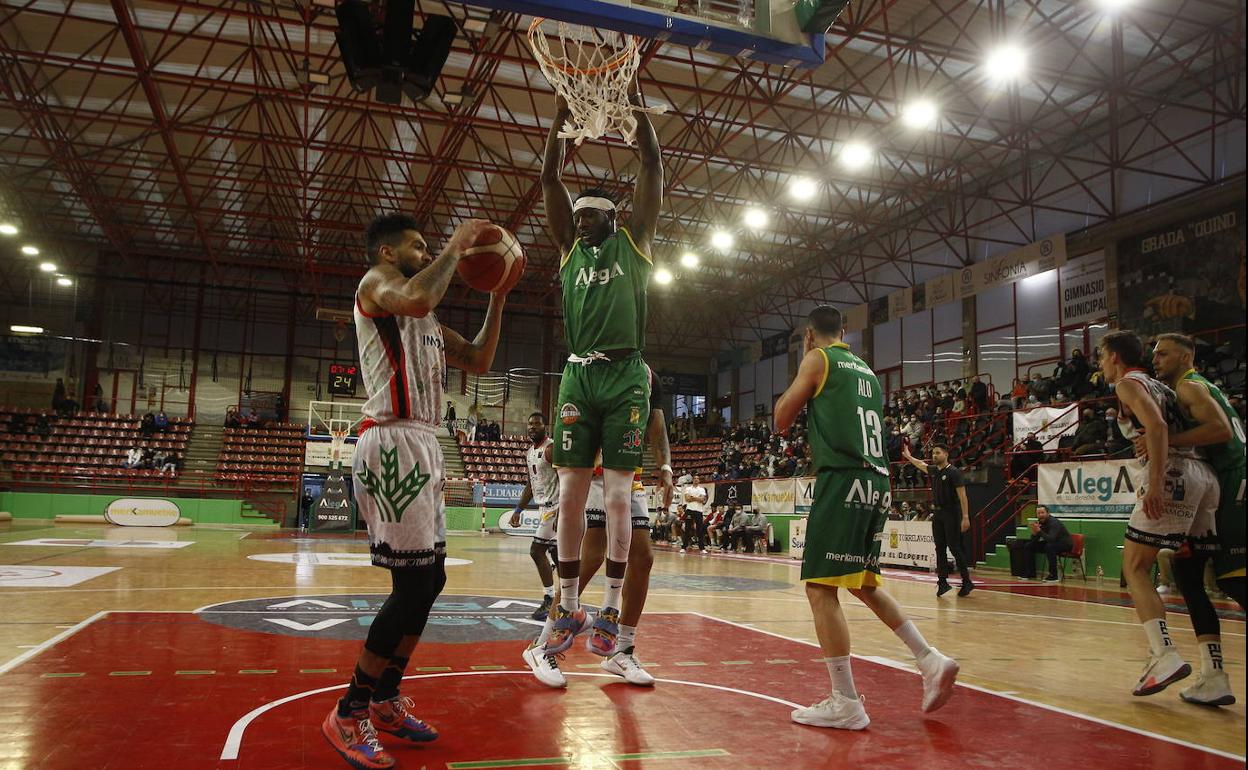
column 851, row 500
column 1219, row 434
column 398, row 467
column 604, row 393
column 624, row 662
column 544, row 486
column 1177, row 499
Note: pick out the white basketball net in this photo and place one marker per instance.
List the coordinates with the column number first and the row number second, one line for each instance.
column 592, row 69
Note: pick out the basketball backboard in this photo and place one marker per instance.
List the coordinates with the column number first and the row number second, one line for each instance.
column 766, row 30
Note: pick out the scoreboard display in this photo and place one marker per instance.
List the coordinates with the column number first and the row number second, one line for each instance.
column 343, row 379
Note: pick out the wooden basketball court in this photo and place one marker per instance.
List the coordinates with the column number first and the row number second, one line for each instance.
column 225, row 647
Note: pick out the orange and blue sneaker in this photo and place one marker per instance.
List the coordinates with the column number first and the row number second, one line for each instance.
column 606, row 629
column 394, row 716
column 355, row 740
column 565, row 629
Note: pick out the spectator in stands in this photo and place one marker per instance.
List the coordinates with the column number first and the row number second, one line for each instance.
column 1048, row 536
column 149, row 459
column 58, row 395
column 898, row 513
column 1041, row 388
column 979, row 395
column 1090, row 436
column 161, row 421
column 147, row 425
column 450, row 418
column 737, row 519
column 1237, row 403
column 474, row 419
column 920, row 513
column 803, row 465
column 134, row 458
column 253, row 419
column 1027, row 453
column 43, row 425
column 170, row 464
column 100, row 404
column 232, row 419
column 661, row 532
column 1070, row 374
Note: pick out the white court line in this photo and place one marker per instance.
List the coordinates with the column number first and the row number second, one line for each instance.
column 1056, row 709
column 35, row 650
column 234, row 740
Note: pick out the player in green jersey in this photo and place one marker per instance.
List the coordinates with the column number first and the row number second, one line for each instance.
column 604, row 396
column 845, row 422
column 1219, row 433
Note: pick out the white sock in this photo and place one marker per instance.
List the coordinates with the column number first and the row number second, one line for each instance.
column 1158, row 636
column 842, row 676
column 628, row 637
column 1210, row 658
column 909, row 634
column 569, row 599
column 549, row 591
column 546, row 629
column 611, row 596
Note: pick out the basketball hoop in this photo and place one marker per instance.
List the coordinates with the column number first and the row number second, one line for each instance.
column 337, row 440
column 592, row 70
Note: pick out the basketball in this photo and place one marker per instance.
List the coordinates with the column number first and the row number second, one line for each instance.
column 493, row 262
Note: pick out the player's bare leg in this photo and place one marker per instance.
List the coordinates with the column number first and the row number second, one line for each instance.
column 617, row 488
column 573, row 492
column 1165, row 666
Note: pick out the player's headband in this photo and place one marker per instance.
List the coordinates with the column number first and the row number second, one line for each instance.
column 591, row 202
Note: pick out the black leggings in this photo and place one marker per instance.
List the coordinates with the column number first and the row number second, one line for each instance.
column 1189, row 574
column 406, row 610
column 694, row 528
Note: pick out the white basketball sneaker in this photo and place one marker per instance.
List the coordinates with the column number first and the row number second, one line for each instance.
column 1161, row 671
column 544, row 667
column 836, row 710
column 939, row 673
column 625, row 664
column 1212, row 690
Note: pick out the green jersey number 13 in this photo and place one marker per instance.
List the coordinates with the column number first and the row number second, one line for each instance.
column 872, row 433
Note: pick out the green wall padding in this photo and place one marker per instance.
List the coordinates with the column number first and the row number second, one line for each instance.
column 46, row 505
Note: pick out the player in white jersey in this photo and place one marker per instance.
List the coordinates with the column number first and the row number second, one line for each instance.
column 543, row 487
column 1177, row 500
column 398, row 467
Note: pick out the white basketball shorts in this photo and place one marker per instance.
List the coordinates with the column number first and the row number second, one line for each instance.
column 545, row 534
column 398, row 476
column 1190, row 504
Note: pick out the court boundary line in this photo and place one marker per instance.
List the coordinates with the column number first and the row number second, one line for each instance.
column 234, row 739
column 898, row 665
column 48, row 644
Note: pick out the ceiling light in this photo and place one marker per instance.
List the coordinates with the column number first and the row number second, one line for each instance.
column 1005, row 63
column 919, row 114
column 1113, row 6
column 755, row 219
column 30, row 251
column 8, row 229
column 47, row 267
column 803, row 188
column 722, row 240
column 663, row 276
column 689, row 259
column 855, row 155
column 20, row 329
column 63, row 281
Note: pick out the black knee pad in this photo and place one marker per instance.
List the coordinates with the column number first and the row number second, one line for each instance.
column 406, row 610
column 1189, row 574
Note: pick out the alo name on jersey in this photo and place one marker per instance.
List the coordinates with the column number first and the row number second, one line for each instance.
column 869, row 496
column 587, row 277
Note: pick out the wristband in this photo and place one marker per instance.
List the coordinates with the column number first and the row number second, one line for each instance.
column 665, row 467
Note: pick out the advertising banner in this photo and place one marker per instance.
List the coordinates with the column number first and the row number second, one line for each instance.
column 1094, row 489
column 908, row 544
column 1084, row 292
column 804, row 494
column 317, row 453
column 797, row 538
column 135, row 512
column 1049, row 423
column 736, row 493
column 774, row 496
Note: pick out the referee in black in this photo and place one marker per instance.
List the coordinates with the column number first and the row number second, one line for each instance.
column 951, row 516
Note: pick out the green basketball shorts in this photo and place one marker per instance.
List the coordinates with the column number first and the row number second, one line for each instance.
column 844, row 531
column 1228, row 562
column 602, row 405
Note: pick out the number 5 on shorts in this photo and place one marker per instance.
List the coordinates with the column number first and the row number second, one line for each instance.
column 567, row 441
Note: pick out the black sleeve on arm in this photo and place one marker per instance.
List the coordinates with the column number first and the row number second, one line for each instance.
column 956, row 479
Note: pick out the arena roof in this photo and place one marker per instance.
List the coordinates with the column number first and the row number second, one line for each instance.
column 181, row 130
